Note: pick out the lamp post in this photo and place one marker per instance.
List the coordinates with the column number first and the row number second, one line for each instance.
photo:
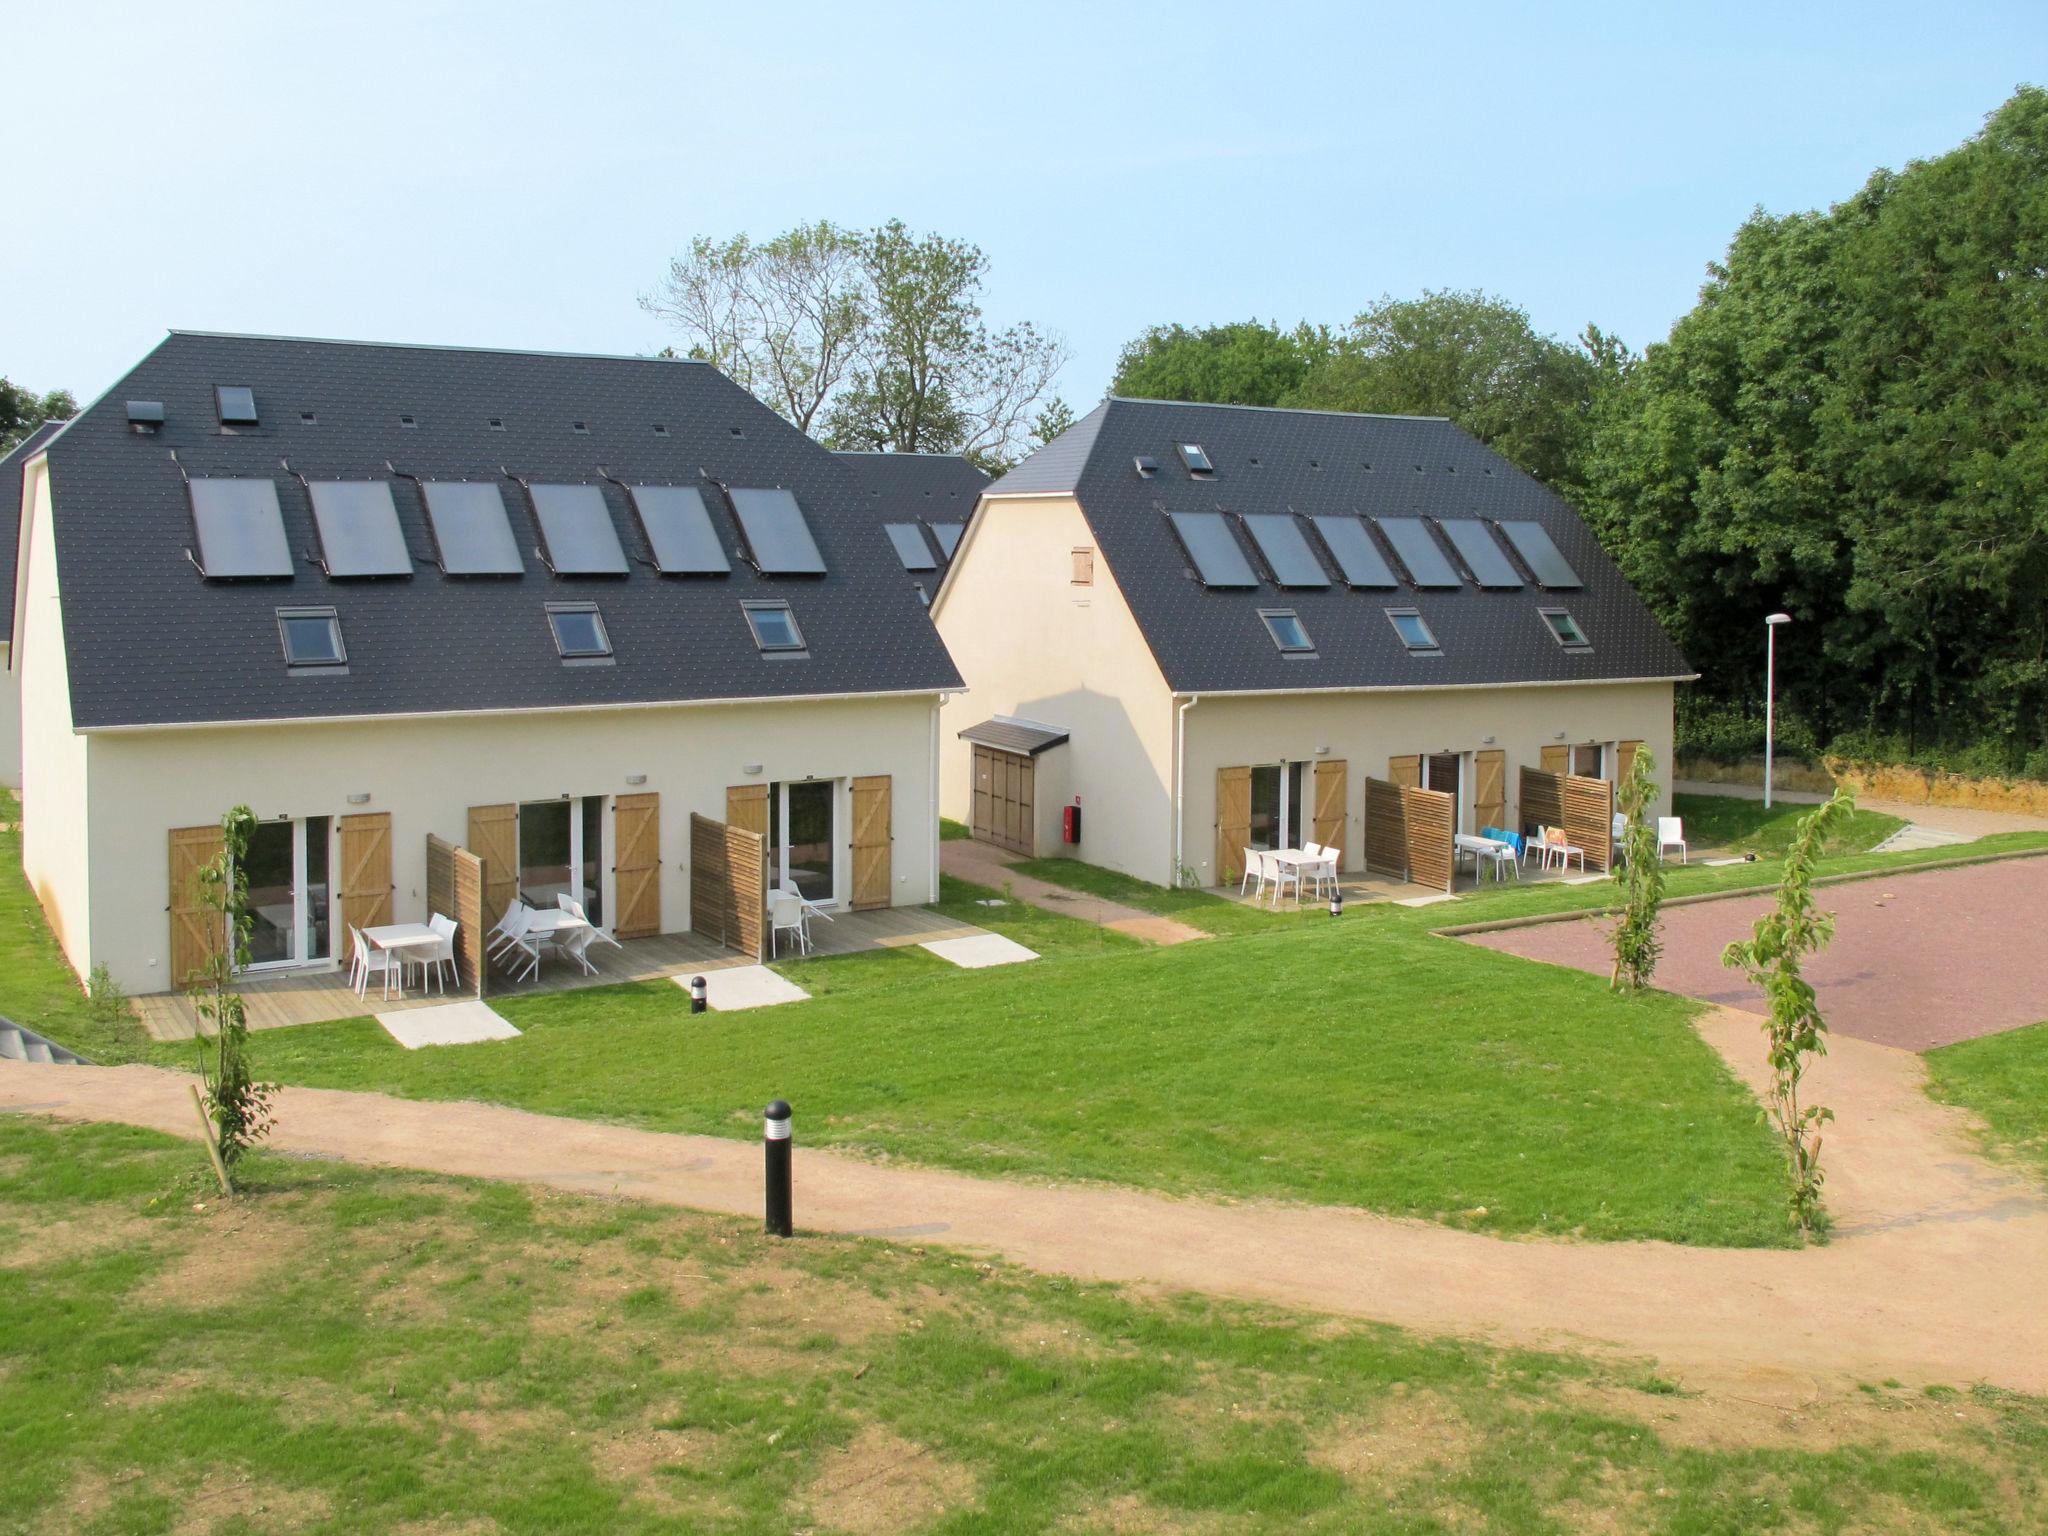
column 1771, row 693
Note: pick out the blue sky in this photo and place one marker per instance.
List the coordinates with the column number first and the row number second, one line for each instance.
column 514, row 174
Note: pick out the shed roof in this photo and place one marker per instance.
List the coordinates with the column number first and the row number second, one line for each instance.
column 1028, row 737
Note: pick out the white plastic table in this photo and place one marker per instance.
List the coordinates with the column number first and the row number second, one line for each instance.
column 551, row 923
column 1472, row 843
column 400, row 937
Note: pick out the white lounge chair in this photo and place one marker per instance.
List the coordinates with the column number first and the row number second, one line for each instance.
column 1671, row 834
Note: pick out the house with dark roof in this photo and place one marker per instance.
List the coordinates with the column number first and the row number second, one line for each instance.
column 1205, row 629
column 13, row 476
column 922, row 502
column 544, row 607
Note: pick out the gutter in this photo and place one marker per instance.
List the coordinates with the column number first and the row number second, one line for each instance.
column 938, row 704
column 1180, row 785
column 1562, row 682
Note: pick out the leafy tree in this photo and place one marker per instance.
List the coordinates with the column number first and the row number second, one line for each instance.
column 1245, row 363
column 21, row 412
column 1772, row 959
column 238, row 1106
column 1637, row 946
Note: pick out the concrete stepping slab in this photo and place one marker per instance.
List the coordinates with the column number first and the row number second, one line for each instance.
column 733, row 987
column 463, row 1023
column 980, row 951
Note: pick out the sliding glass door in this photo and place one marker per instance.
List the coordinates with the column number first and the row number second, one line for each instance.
column 561, row 850
column 1279, row 805
column 803, row 843
column 288, row 896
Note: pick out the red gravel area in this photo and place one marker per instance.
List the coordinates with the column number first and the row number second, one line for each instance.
column 1917, row 960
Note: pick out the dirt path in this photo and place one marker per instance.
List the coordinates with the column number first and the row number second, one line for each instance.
column 1939, row 1272
column 986, row 865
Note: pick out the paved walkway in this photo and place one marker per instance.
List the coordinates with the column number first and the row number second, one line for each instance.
column 987, row 865
column 1938, row 1272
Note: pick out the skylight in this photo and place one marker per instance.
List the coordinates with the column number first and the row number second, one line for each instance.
column 240, row 528
column 948, row 535
column 1196, row 459
column 911, row 548
column 1425, row 559
column 1487, row 561
column 471, row 531
column 1414, row 633
column 1285, row 626
column 1146, row 466
column 1219, row 560
column 774, row 626
column 576, row 531
column 311, row 637
column 236, row 404
column 777, row 535
column 1540, row 553
column 1280, row 540
column 358, row 525
column 1356, row 555
column 1565, row 629
column 679, row 530
column 579, row 631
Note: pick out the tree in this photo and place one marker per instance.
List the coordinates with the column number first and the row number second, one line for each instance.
column 868, row 340
column 1245, row 363
column 21, row 412
column 238, row 1106
column 1637, row 947
column 1771, row 959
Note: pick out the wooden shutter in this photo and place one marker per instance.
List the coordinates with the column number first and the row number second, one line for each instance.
column 636, row 874
column 1624, row 760
column 1331, row 792
column 198, row 933
column 1405, row 771
column 1084, row 568
column 872, row 866
column 494, row 838
column 746, row 807
column 1233, row 822
column 1490, row 789
column 1556, row 760
column 365, row 890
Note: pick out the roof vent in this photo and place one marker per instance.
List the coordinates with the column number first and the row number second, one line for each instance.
column 237, row 405
column 407, row 421
column 1147, row 466
column 145, row 415
column 1197, row 461
column 497, row 423
column 661, row 429
column 581, row 426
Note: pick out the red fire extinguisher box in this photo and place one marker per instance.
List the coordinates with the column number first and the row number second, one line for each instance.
column 1070, row 824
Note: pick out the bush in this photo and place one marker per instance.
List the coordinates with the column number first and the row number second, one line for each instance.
column 1972, row 760
column 106, row 999
column 1732, row 733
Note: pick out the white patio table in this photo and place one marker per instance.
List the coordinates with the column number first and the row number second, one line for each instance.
column 1293, row 859
column 1480, row 847
column 400, row 937
column 554, row 925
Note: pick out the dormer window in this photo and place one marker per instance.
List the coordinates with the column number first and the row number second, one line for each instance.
column 1196, row 459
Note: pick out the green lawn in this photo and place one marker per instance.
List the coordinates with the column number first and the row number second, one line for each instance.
column 2004, row 1079
column 347, row 1349
column 1744, row 826
column 953, row 831
column 1199, row 909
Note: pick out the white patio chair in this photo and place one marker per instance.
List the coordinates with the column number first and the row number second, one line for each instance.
column 1671, row 834
column 437, row 959
column 1254, row 869
column 1502, row 858
column 1324, row 869
column 1282, row 876
column 521, row 953
column 369, row 961
column 510, row 926
column 786, row 915
column 1558, row 842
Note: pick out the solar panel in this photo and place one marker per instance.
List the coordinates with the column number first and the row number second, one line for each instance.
column 1357, row 556
column 359, row 532
column 1219, row 560
column 576, row 528
column 777, row 534
column 1546, row 562
column 241, row 528
column 1426, row 562
column 679, row 530
column 948, row 535
column 911, row 548
column 1280, row 540
column 471, row 530
column 1487, row 561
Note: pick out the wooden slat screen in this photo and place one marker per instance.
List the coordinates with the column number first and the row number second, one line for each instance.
column 494, row 838
column 364, row 890
column 1542, row 800
column 1589, row 819
column 873, row 842
column 1386, row 830
column 1233, row 823
column 1431, row 817
column 1490, row 790
column 636, row 865
column 455, row 888
column 197, row 932
column 729, row 885
column 1332, row 817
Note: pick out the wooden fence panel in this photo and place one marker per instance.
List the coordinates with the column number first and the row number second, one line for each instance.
column 1589, row 819
column 729, row 885
column 455, row 888
column 1386, row 830
column 1431, row 817
column 1542, row 800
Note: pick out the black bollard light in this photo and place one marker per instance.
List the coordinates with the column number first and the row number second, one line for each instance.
column 1336, row 901
column 775, row 1154
column 699, row 990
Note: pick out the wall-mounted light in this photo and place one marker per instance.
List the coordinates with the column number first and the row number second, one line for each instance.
column 359, row 799
column 636, row 778
column 1322, row 751
column 751, row 768
column 1558, row 737
column 1486, row 741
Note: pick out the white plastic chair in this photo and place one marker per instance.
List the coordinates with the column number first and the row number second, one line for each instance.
column 510, row 926
column 522, row 949
column 1254, row 869
column 786, row 915
column 1324, row 868
column 437, row 958
column 370, row 961
column 1282, row 876
column 1671, row 834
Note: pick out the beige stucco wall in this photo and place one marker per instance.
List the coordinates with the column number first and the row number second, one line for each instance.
column 55, row 841
column 427, row 773
column 1365, row 729
column 1029, row 643
column 10, row 721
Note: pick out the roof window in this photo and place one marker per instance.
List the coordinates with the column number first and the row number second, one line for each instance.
column 1414, row 632
column 236, row 404
column 311, row 637
column 774, row 627
column 1146, row 465
column 1197, row 459
column 1565, row 629
column 579, row 631
column 1285, row 626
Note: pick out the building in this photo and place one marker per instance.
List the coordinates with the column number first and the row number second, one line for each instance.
column 13, row 477
column 922, row 501
column 1207, row 627
column 545, row 607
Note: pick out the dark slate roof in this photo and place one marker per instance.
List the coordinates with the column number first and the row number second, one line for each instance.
column 152, row 642
column 13, row 486
column 937, row 487
column 1316, row 463
column 1015, row 735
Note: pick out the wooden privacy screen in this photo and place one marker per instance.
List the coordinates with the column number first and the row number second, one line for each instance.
column 1331, row 817
column 873, row 838
column 1542, row 800
column 494, row 838
column 1233, row 823
column 197, row 931
column 1430, row 817
column 364, row 891
column 1589, row 819
column 729, row 885
column 1386, row 830
column 1490, row 790
column 636, row 865
column 455, row 888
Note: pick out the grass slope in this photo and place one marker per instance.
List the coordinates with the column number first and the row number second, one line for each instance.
column 1744, row 826
column 2004, row 1080
column 1199, row 909
column 346, row 1350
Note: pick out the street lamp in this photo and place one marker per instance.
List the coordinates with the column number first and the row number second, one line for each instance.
column 1770, row 692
